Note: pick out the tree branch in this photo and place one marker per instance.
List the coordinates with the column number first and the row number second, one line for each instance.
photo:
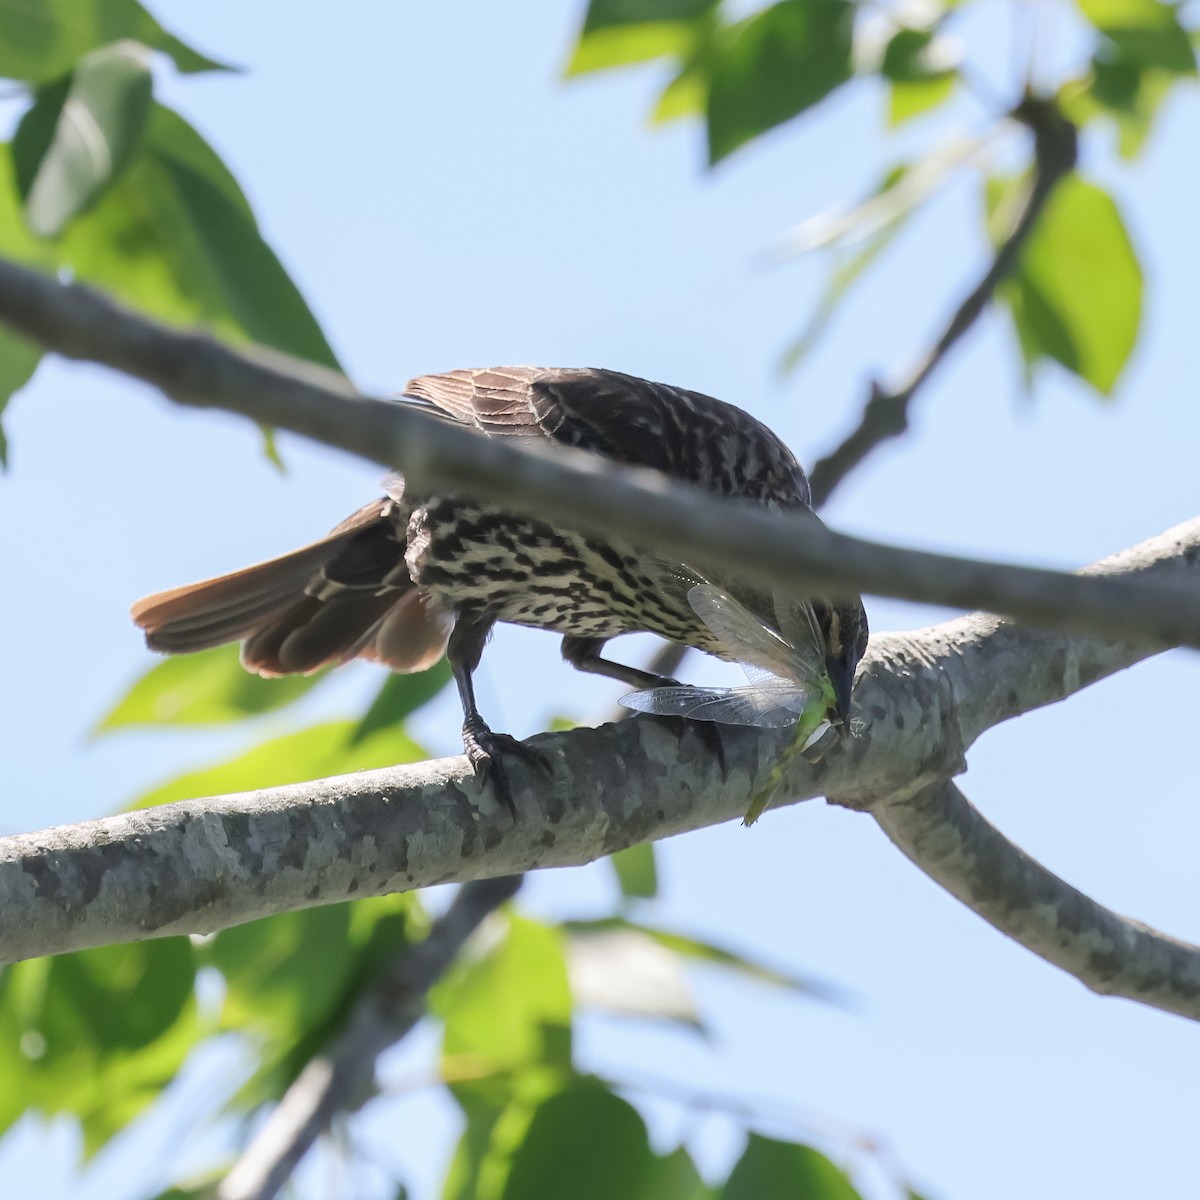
column 940, row 831
column 886, row 413
column 583, row 491
column 201, row 865
column 340, row 1077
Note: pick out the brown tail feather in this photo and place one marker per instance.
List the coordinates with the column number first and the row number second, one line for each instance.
column 345, row 595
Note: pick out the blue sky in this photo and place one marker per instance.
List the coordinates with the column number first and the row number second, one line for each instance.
column 444, row 199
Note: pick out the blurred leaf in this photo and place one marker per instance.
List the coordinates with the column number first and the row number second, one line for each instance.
column 509, row 1010
column 618, row 33
column 313, row 753
column 583, row 1142
column 773, row 66
column 98, row 1033
column 96, row 128
column 624, row 972
column 208, row 688
column 912, row 98
column 773, row 1170
column 18, row 361
column 708, row 952
column 636, row 871
column 173, row 238
column 1125, row 92
column 293, row 978
column 1076, row 296
column 1146, row 32
column 846, row 272
column 283, row 973
column 674, row 1177
column 399, row 696
column 43, row 39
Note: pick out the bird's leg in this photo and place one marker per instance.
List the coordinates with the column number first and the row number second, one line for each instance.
column 483, row 747
column 584, row 655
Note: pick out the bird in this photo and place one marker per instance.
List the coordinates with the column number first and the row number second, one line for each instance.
column 409, row 578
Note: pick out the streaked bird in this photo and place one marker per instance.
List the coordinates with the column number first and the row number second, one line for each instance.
column 408, row 578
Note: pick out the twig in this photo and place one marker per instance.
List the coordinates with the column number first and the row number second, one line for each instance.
column 940, row 831
column 338, row 1079
column 886, row 412
column 583, row 491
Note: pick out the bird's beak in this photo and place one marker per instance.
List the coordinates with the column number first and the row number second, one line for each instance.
column 841, row 675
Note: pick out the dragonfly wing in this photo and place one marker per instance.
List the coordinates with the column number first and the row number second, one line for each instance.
column 751, row 641
column 745, row 705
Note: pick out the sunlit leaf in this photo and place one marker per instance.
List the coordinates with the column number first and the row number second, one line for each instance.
column 1077, row 293
column 97, row 126
column 400, row 695
column 509, row 1009
column 584, row 1142
column 774, row 1170
column 43, row 39
column 98, row 1033
column 773, row 66
column 674, row 1177
column 313, row 753
column 1146, row 32
column 911, row 98
column 173, row 238
column 619, row 33
column 636, row 872
column 208, row 688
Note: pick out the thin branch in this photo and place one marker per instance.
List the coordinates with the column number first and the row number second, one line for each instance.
column 339, row 1078
column 583, row 491
column 886, row 413
column 940, row 831
column 202, row 865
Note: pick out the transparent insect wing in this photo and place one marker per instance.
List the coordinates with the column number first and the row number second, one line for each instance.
column 745, row 705
column 748, row 639
column 798, row 626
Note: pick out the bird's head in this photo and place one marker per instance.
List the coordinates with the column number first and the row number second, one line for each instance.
column 843, row 625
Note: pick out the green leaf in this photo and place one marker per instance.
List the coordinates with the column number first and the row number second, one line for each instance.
column 292, row 979
column 583, row 1142
column 618, row 33
column 97, row 127
column 912, row 98
column 208, row 688
column 508, row 1011
column 173, row 237
column 1076, row 296
column 18, row 361
column 1145, row 32
column 773, row 66
column 636, row 872
column 674, row 1177
column 313, row 753
column 98, row 1033
column 399, row 696
column 42, row 40
column 773, row 1170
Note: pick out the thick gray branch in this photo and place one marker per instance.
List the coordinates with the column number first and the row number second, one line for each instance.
column 583, row 492
column 339, row 1078
column 951, row 842
column 202, row 865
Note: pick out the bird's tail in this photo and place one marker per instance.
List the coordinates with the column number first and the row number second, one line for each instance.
column 348, row 595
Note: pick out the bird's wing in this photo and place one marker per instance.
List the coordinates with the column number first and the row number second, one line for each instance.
column 685, row 434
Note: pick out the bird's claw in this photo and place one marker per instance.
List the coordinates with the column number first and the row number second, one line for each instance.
column 486, row 752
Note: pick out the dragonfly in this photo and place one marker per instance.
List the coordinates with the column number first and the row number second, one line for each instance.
column 787, row 682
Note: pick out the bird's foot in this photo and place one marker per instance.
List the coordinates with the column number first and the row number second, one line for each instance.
column 486, row 752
